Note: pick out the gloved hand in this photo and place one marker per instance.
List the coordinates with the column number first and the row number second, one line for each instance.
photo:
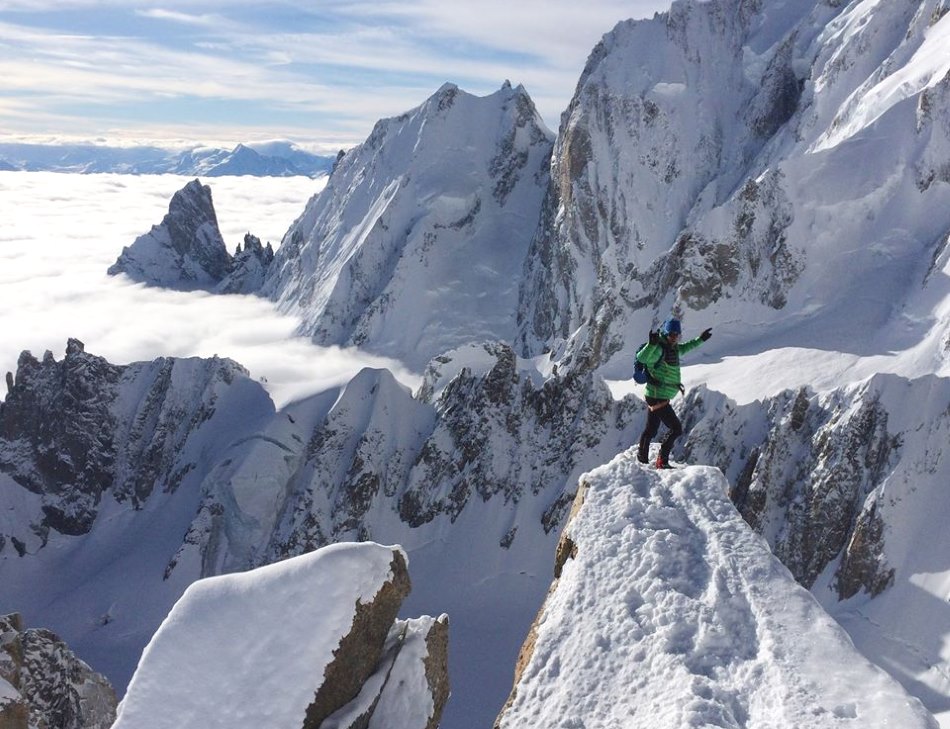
column 654, row 337
column 706, row 334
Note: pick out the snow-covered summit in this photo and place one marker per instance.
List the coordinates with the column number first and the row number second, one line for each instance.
column 416, row 244
column 669, row 612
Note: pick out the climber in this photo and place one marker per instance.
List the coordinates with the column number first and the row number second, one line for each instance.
column 661, row 357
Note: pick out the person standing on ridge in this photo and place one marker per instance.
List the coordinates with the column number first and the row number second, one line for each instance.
column 661, row 357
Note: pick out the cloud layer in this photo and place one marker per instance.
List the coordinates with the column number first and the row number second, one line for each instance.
column 60, row 234
column 223, row 72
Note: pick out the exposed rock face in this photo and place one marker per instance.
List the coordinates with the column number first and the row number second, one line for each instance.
column 186, row 251
column 415, row 662
column 370, row 260
column 359, row 650
column 44, row 686
column 671, row 613
column 75, row 429
column 353, row 664
column 680, row 183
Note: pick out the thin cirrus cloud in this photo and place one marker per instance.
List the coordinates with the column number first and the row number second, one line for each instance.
column 321, row 74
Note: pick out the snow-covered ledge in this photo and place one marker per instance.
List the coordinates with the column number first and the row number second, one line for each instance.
column 309, row 642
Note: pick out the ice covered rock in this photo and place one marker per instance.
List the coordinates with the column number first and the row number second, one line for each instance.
column 416, row 244
column 43, row 684
column 186, row 251
column 293, row 645
column 670, row 611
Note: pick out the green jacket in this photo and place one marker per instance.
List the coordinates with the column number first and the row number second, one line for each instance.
column 662, row 361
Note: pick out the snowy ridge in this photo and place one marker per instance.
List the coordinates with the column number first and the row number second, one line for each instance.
column 415, row 246
column 670, row 612
column 382, row 460
column 300, row 640
column 847, row 487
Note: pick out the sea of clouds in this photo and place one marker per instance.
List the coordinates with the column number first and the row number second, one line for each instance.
column 62, row 231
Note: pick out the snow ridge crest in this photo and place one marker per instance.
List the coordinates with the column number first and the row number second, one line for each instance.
column 670, row 611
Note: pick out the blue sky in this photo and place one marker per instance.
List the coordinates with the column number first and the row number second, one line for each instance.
column 228, row 72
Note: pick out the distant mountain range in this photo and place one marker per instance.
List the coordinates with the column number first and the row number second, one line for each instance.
column 266, row 159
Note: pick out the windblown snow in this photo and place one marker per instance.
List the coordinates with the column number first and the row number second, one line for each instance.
column 671, row 612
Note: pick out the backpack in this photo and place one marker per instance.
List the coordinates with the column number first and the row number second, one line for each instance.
column 640, row 374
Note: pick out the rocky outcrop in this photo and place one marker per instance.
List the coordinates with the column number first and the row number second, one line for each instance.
column 57, row 430
column 248, row 268
column 186, row 251
column 358, row 651
column 415, row 661
column 332, row 656
column 43, row 685
column 670, row 612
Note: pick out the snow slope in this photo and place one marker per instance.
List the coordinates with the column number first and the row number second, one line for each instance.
column 416, row 244
column 670, row 612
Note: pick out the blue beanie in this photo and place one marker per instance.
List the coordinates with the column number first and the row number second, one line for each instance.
column 672, row 326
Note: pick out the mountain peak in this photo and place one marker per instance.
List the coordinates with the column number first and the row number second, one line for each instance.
column 186, row 251
column 440, row 188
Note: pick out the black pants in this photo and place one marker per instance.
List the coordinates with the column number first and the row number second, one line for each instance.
column 663, row 415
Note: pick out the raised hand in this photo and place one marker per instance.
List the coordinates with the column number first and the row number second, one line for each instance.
column 706, row 334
